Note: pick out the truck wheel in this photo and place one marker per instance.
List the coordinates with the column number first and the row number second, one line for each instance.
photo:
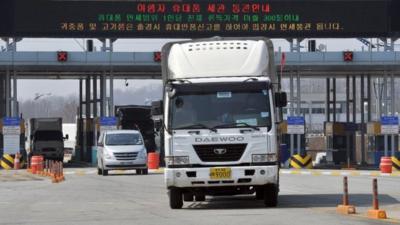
column 175, row 198
column 139, row 171
column 271, row 195
column 99, row 171
column 259, row 193
column 188, row 197
column 200, row 197
column 145, row 171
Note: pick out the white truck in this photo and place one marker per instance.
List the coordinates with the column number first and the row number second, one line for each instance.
column 220, row 113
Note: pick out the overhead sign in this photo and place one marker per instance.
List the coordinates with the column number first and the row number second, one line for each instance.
column 108, row 123
column 199, row 18
column 11, row 135
column 295, row 125
column 389, row 125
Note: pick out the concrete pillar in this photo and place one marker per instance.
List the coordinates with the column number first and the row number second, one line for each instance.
column 362, row 122
column 347, row 99
column 354, row 101
column 334, row 99
column 103, row 101
column 111, row 100
column 8, row 93
column 2, row 96
column 95, row 98
column 87, row 117
column 328, row 100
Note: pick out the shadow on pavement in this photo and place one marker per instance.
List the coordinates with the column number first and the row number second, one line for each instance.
column 291, row 201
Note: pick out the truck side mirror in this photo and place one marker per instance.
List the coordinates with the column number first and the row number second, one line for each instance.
column 280, row 99
column 157, row 108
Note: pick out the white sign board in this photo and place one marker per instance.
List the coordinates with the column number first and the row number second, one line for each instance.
column 11, row 135
column 389, row 125
column 295, row 125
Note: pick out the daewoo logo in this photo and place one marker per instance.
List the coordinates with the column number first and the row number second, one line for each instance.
column 219, row 139
column 220, row 151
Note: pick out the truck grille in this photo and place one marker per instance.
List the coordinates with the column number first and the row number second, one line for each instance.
column 125, row 155
column 220, row 153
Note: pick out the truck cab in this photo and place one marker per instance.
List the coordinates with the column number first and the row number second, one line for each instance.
column 220, row 112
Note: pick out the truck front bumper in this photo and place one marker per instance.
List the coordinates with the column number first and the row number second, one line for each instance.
column 240, row 176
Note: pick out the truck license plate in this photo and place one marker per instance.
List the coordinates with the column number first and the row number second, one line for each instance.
column 220, row 173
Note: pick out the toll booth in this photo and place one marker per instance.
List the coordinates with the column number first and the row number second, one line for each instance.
column 340, row 139
column 12, row 141
column 376, row 143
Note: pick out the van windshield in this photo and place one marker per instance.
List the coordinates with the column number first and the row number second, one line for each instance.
column 123, row 139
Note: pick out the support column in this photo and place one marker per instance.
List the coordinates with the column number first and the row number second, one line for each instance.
column 299, row 149
column 328, row 101
column 103, row 101
column 393, row 110
column 291, row 111
column 14, row 99
column 8, row 93
column 2, row 96
column 87, row 117
column 111, row 100
column 362, row 122
column 334, row 99
column 95, row 98
column 369, row 100
column 354, row 101
column 347, row 99
column 80, row 121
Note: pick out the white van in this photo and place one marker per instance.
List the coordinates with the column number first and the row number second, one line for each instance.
column 121, row 150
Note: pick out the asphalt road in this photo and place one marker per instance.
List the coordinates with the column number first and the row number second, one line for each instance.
column 86, row 198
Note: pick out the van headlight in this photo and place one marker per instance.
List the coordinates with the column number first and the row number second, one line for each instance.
column 142, row 154
column 108, row 155
column 261, row 158
column 177, row 160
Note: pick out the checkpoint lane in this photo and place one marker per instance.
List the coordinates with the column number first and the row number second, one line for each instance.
column 137, row 199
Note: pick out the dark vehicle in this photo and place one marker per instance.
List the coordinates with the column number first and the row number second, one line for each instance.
column 137, row 117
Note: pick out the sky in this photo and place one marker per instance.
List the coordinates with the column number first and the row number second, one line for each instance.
column 28, row 88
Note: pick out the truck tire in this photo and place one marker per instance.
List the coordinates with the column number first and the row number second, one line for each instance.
column 99, row 171
column 259, row 193
column 139, row 172
column 188, row 197
column 270, row 195
column 175, row 198
column 200, row 197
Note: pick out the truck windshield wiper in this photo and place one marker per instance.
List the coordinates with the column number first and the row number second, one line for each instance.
column 237, row 125
column 198, row 126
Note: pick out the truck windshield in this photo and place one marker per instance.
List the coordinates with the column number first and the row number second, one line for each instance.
column 123, row 139
column 225, row 109
column 48, row 135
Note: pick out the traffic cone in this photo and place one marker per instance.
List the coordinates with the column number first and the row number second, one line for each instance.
column 54, row 175
column 17, row 164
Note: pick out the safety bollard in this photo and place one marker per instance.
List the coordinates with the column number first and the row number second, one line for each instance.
column 345, row 208
column 375, row 212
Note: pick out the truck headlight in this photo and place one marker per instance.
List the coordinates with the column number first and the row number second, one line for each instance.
column 260, row 158
column 177, row 160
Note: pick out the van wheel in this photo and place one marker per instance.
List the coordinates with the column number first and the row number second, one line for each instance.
column 271, row 195
column 145, row 171
column 175, row 198
column 139, row 171
column 99, row 171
